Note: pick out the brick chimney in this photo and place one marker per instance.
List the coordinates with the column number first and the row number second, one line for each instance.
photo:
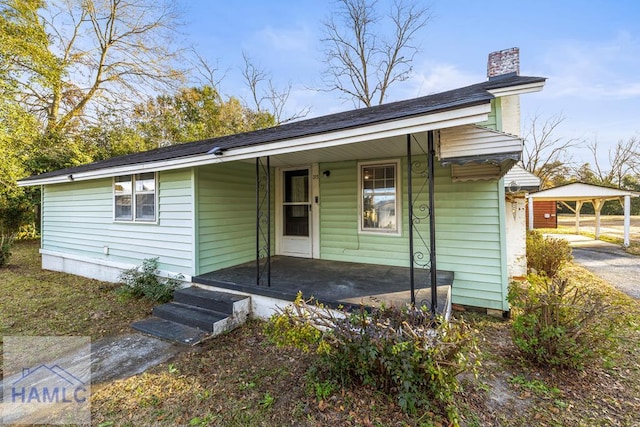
column 503, row 62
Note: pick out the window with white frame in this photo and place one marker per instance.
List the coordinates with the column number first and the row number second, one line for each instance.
column 135, row 197
column 379, row 197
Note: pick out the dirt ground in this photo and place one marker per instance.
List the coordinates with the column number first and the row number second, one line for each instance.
column 243, row 379
column 612, row 225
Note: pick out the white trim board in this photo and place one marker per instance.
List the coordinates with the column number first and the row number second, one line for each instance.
column 516, row 90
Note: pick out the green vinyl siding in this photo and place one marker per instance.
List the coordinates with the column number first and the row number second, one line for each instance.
column 494, row 121
column 77, row 218
column 469, row 237
column 339, row 236
column 226, row 215
column 468, row 230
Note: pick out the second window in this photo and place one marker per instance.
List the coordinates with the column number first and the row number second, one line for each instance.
column 379, row 201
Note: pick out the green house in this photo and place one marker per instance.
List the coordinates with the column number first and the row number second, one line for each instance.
column 377, row 191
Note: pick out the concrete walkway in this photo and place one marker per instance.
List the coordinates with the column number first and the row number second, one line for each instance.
column 109, row 359
column 606, row 260
column 122, row 356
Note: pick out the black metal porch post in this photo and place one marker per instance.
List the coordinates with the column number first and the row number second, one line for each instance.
column 268, row 221
column 257, row 221
column 432, row 222
column 410, row 204
column 263, row 220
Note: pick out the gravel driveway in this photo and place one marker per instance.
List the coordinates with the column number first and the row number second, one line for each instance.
column 607, row 261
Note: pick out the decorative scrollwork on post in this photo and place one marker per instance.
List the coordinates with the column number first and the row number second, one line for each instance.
column 263, row 222
column 420, row 195
column 419, row 167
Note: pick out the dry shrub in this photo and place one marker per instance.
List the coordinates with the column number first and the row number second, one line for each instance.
column 546, row 255
column 557, row 323
column 405, row 352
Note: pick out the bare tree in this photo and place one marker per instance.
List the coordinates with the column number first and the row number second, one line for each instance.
column 362, row 64
column 275, row 98
column 108, row 53
column 624, row 160
column 208, row 74
column 546, row 154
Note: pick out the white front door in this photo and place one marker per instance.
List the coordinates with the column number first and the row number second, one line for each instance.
column 295, row 217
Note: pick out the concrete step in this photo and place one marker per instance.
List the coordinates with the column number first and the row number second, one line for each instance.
column 189, row 315
column 211, row 300
column 195, row 314
column 170, row 331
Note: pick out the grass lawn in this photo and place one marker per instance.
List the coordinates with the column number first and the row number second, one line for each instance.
column 241, row 379
column 44, row 303
column 611, row 229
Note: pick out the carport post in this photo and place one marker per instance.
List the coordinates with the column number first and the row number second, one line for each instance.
column 597, row 207
column 530, row 212
column 627, row 219
column 578, row 207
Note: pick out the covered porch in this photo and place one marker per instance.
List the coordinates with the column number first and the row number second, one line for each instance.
column 335, row 283
column 356, row 223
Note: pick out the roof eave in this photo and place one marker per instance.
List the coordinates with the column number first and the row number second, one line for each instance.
column 517, row 90
column 581, row 198
column 421, row 123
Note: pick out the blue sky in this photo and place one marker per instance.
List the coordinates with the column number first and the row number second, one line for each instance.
column 588, row 50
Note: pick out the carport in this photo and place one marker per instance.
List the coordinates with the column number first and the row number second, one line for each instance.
column 586, row 193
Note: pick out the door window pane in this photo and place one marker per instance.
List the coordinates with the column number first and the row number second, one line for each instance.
column 296, row 186
column 296, row 203
column 296, row 220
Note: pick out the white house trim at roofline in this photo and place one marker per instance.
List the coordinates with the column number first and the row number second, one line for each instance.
column 423, row 123
column 516, row 90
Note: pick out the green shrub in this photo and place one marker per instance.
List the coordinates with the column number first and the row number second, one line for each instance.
column 13, row 213
column 5, row 249
column 27, row 232
column 143, row 282
column 546, row 255
column 403, row 351
column 557, row 323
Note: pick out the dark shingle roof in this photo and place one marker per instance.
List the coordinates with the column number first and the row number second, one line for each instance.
column 458, row 98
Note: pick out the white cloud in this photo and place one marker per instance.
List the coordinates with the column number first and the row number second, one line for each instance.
column 608, row 69
column 441, row 77
column 432, row 77
column 285, row 39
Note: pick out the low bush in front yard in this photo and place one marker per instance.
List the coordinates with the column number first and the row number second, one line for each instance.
column 558, row 323
column 546, row 255
column 144, row 282
column 404, row 352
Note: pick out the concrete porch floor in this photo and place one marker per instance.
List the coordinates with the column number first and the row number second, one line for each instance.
column 334, row 283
